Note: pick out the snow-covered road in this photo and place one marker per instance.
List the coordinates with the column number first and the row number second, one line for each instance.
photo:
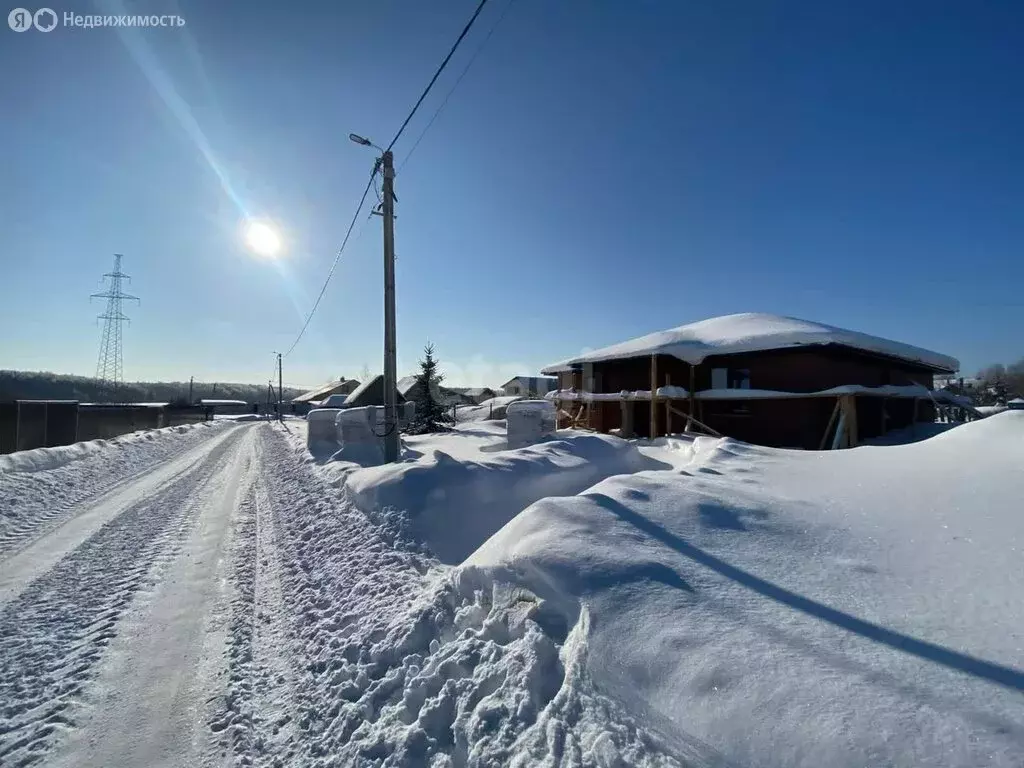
column 106, row 619
column 196, row 611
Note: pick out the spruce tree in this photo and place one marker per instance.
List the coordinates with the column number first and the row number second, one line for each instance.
column 430, row 414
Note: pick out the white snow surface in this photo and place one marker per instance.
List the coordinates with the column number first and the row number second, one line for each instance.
column 450, row 494
column 846, row 608
column 753, row 332
column 672, row 602
column 41, row 487
column 493, row 408
column 990, row 410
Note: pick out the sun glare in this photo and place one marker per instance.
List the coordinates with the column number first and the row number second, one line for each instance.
column 262, row 239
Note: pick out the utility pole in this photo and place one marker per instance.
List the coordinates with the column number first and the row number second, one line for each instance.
column 280, row 391
column 390, row 352
column 191, row 379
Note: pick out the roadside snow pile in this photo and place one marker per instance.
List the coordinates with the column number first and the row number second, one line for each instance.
column 41, row 459
column 487, row 410
column 452, row 503
column 40, row 486
column 779, row 608
column 989, row 410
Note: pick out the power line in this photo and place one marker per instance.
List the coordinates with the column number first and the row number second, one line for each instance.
column 465, row 71
column 437, row 74
column 376, row 167
column 337, row 258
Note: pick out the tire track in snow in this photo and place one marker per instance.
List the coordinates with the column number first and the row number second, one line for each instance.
column 53, row 634
column 34, row 503
column 340, row 582
column 254, row 717
column 34, row 559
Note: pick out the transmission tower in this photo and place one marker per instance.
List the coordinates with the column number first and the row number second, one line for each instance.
column 109, row 366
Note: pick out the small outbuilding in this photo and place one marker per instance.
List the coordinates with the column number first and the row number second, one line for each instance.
column 761, row 378
column 529, row 386
column 1017, row 404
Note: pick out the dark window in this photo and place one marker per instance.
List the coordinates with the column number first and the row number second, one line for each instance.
column 730, row 378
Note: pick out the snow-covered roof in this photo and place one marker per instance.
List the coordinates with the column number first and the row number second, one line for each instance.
column 529, row 381
column 325, row 390
column 209, row 401
column 754, row 332
column 406, row 383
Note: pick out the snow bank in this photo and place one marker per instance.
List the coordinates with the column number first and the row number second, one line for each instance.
column 989, row 410
column 753, row 332
column 39, row 488
column 42, row 459
column 783, row 608
column 488, row 409
column 453, row 504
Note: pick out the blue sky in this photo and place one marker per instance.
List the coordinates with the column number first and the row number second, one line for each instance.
column 607, row 168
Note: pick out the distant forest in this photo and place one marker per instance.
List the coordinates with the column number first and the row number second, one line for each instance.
column 40, row 385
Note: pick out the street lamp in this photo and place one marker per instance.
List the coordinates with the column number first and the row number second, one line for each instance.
column 365, row 142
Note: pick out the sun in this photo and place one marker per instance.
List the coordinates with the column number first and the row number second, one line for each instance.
column 262, row 239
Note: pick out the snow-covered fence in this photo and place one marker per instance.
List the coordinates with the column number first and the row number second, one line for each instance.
column 360, row 434
column 322, row 433
column 529, row 421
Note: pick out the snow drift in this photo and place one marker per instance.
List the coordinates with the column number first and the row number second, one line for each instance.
column 845, row 608
column 452, row 504
column 41, row 459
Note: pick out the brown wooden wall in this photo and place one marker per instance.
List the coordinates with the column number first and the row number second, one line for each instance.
column 806, row 369
column 796, row 422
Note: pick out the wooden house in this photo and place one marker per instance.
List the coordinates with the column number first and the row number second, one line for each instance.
column 760, row 378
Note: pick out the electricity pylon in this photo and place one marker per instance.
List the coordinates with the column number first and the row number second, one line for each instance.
column 109, row 365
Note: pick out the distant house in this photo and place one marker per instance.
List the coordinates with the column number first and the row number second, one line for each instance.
column 761, row 378
column 339, row 387
column 1017, row 404
column 476, row 395
column 407, row 388
column 530, row 386
column 370, row 393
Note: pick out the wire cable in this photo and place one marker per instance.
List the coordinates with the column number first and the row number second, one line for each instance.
column 337, row 258
column 465, row 71
column 437, row 74
column 376, row 167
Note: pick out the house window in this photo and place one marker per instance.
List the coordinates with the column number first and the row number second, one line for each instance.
column 730, row 378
